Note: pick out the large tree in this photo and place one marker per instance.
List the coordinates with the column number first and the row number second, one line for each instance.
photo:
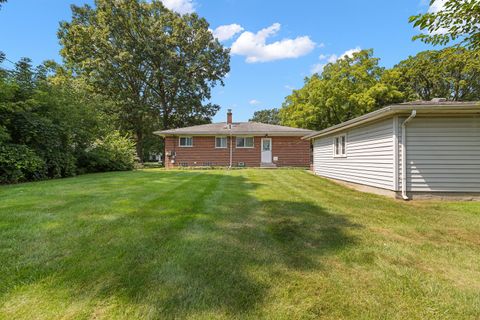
column 345, row 89
column 452, row 73
column 453, row 20
column 270, row 116
column 159, row 66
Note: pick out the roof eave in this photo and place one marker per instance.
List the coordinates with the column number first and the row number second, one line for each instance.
column 393, row 110
column 243, row 133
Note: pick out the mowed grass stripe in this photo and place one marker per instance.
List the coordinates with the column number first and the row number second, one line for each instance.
column 218, row 244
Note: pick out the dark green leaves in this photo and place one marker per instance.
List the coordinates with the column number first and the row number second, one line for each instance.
column 457, row 20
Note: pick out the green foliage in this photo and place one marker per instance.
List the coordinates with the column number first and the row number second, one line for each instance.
column 344, row 90
column 18, row 163
column 47, row 114
column 112, row 153
column 452, row 73
column 458, row 19
column 270, row 116
column 158, row 66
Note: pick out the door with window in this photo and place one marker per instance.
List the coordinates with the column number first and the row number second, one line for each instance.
column 266, row 150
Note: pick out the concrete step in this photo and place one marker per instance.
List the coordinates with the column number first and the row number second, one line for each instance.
column 268, row 165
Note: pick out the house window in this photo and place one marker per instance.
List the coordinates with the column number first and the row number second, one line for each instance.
column 244, row 142
column 220, row 142
column 185, row 142
column 340, row 146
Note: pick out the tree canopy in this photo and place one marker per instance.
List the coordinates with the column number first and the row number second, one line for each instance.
column 345, row 89
column 52, row 126
column 270, row 116
column 457, row 19
column 158, row 66
column 452, row 73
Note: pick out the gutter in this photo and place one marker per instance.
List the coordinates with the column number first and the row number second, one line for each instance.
column 404, row 154
column 465, row 108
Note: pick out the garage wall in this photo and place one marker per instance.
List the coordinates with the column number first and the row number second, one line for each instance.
column 370, row 156
column 443, row 154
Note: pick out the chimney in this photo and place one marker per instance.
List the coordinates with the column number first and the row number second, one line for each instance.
column 229, row 116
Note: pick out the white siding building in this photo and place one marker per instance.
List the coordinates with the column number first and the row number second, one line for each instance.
column 441, row 149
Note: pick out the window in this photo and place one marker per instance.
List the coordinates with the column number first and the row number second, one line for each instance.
column 244, row 142
column 220, row 142
column 340, row 146
column 185, row 142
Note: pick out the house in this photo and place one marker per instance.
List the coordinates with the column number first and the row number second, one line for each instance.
column 414, row 149
column 236, row 144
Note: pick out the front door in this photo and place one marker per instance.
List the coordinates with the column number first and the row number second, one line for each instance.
column 266, row 150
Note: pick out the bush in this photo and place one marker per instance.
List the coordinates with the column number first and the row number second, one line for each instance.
column 18, row 163
column 112, row 153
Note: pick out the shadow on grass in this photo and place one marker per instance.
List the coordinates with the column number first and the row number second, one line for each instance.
column 173, row 244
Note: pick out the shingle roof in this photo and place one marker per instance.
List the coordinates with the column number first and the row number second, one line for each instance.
column 238, row 128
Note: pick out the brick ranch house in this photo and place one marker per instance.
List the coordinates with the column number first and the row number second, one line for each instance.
column 236, row 144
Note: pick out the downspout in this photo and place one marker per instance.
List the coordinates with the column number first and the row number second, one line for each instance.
column 231, row 146
column 404, row 154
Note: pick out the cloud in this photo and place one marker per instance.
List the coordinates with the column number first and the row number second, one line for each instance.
column 317, row 68
column 254, row 46
column 289, row 87
column 254, row 102
column 226, row 32
column 332, row 58
column 437, row 6
column 180, row 6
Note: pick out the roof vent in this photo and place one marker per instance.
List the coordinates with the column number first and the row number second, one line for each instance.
column 439, row 99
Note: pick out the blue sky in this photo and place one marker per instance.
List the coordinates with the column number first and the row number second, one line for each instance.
column 277, row 45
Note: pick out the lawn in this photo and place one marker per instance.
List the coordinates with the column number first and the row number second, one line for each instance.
column 277, row 244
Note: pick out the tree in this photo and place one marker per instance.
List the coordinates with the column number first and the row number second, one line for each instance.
column 269, row 116
column 452, row 73
column 345, row 89
column 157, row 65
column 49, row 121
column 2, row 1
column 457, row 19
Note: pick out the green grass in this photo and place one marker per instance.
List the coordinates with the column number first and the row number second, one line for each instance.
column 277, row 244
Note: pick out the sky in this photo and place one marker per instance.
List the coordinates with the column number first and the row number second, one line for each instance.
column 274, row 44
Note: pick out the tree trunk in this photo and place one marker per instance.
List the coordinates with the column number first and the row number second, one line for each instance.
column 139, row 145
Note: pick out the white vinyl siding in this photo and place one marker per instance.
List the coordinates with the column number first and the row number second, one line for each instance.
column 443, row 154
column 369, row 160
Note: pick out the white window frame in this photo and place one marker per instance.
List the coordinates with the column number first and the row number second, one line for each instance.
column 244, row 147
column 185, row 146
column 343, row 149
column 226, row 142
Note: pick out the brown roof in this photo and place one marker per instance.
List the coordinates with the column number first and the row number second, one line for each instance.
column 238, row 128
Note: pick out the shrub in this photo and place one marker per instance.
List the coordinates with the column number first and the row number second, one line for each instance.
column 18, row 163
column 112, row 153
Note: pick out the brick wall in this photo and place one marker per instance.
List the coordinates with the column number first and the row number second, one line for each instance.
column 291, row 152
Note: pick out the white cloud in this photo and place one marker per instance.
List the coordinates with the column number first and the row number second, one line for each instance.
column 289, row 87
column 226, row 32
column 180, row 6
column 254, row 46
column 438, row 5
column 317, row 68
column 254, row 102
column 332, row 58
